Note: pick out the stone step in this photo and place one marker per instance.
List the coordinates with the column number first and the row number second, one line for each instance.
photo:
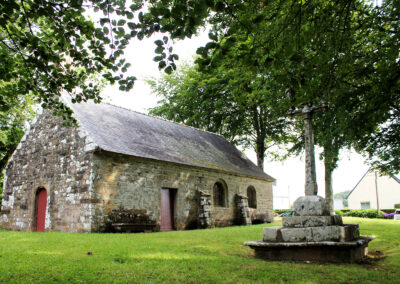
column 311, row 221
column 343, row 233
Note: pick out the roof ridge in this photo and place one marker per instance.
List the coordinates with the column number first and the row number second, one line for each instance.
column 163, row 119
column 369, row 169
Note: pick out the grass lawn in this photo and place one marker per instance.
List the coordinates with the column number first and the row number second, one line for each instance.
column 215, row 255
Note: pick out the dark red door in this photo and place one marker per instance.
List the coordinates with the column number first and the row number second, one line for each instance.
column 167, row 209
column 41, row 202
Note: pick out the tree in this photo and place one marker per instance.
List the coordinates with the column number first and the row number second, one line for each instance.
column 317, row 52
column 13, row 118
column 47, row 47
column 379, row 95
column 231, row 102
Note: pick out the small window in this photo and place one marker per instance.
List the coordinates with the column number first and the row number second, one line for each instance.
column 252, row 197
column 365, row 205
column 219, row 194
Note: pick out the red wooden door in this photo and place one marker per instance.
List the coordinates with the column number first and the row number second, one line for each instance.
column 41, row 203
column 167, row 209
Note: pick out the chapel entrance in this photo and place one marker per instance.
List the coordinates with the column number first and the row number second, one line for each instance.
column 40, row 209
column 167, row 209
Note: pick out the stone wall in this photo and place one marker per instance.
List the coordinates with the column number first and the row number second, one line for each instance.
column 133, row 185
column 58, row 159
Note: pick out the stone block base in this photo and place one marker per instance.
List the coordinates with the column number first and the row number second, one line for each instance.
column 343, row 233
column 338, row 252
column 311, row 221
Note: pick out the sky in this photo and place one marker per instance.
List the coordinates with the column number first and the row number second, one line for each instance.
column 289, row 174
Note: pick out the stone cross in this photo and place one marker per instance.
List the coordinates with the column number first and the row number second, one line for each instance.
column 307, row 111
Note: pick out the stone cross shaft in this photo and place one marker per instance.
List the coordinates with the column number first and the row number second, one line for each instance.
column 311, row 187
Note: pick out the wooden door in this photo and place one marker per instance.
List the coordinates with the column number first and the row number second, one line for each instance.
column 41, row 204
column 167, row 209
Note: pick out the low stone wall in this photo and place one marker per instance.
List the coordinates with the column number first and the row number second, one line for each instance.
column 130, row 183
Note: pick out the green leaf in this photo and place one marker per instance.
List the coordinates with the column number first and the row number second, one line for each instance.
column 162, row 64
column 159, row 50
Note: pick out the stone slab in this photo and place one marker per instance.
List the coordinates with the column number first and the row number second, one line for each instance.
column 351, row 232
column 311, row 205
column 272, row 234
column 311, row 221
column 338, row 252
column 294, row 235
column 328, row 233
column 311, row 234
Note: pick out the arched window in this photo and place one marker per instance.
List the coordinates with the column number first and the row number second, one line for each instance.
column 219, row 194
column 252, row 197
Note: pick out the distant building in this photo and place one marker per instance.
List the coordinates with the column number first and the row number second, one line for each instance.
column 281, row 199
column 338, row 204
column 373, row 191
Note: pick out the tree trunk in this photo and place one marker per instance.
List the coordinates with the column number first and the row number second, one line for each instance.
column 260, row 151
column 331, row 156
column 328, row 186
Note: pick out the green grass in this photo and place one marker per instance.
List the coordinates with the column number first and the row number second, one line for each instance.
column 206, row 256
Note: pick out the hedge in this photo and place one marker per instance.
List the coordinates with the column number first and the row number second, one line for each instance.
column 362, row 213
column 388, row 210
column 365, row 213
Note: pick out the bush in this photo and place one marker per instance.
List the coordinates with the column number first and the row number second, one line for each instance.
column 339, row 212
column 397, row 206
column 281, row 211
column 388, row 215
column 365, row 213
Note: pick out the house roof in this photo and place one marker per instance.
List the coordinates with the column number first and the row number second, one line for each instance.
column 396, row 179
column 358, row 183
column 393, row 176
column 124, row 131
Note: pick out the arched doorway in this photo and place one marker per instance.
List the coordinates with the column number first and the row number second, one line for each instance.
column 40, row 210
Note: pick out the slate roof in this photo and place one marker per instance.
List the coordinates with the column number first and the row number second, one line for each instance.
column 123, row 131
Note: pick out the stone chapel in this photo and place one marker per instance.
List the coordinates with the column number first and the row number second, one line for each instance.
column 120, row 170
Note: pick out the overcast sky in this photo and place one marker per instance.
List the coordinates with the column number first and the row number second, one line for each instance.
column 289, row 174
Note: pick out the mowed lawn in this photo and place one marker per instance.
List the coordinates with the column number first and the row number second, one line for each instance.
column 206, row 256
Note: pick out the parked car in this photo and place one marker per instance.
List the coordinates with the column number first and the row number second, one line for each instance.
column 396, row 214
column 287, row 214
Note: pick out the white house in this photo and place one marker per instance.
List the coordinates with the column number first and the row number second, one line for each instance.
column 375, row 191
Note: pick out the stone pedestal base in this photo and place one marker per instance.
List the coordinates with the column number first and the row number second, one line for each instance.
column 339, row 252
column 312, row 235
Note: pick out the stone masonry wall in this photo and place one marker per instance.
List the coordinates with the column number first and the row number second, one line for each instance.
column 130, row 184
column 58, row 159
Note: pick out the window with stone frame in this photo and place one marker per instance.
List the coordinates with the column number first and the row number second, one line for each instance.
column 252, row 197
column 219, row 194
